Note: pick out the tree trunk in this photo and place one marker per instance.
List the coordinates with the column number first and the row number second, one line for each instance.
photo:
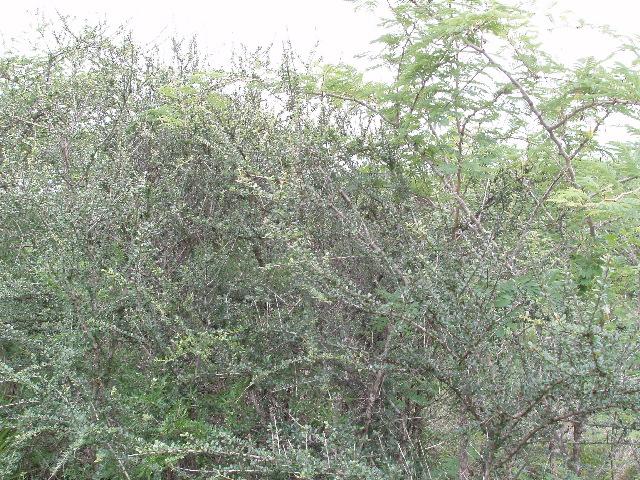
column 578, row 430
column 557, row 450
column 464, row 467
column 489, row 453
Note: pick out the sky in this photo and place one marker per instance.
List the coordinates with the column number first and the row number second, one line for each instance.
column 340, row 32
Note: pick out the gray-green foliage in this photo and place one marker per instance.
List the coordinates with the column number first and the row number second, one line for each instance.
column 292, row 272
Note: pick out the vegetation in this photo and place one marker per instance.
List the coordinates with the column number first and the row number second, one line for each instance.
column 289, row 271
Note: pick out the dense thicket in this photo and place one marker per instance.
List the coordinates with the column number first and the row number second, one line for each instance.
column 286, row 271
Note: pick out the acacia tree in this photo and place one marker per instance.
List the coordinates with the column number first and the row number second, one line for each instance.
column 502, row 141
column 291, row 272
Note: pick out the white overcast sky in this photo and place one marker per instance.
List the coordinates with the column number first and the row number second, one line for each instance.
column 341, row 32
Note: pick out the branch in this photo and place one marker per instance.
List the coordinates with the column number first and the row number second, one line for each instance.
column 548, row 128
column 593, row 104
